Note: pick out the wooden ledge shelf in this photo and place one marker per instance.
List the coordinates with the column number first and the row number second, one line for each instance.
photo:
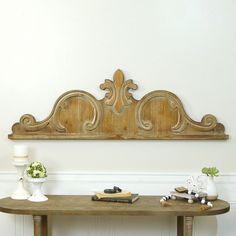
column 83, row 205
column 77, row 114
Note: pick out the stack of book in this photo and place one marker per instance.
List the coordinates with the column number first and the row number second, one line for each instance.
column 126, row 197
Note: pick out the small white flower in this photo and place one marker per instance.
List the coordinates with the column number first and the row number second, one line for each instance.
column 34, row 164
column 41, row 175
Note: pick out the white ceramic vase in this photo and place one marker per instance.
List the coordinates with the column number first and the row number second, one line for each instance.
column 212, row 193
column 37, row 195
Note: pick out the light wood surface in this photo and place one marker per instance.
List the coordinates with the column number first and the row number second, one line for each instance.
column 188, row 225
column 78, row 114
column 37, row 225
column 40, row 225
column 83, row 205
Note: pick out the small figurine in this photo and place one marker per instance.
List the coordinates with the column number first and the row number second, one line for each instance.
column 113, row 190
column 195, row 191
column 183, row 193
column 190, row 196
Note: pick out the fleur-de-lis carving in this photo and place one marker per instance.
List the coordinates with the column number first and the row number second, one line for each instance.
column 118, row 95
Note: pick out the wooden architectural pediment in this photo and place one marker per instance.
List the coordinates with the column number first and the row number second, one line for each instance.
column 79, row 115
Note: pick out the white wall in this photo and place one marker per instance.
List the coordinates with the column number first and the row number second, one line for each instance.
column 188, row 47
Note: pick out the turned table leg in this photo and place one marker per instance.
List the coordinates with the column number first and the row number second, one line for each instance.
column 180, row 225
column 184, row 225
column 44, row 225
column 40, row 226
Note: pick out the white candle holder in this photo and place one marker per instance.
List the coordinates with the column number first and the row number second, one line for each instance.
column 20, row 193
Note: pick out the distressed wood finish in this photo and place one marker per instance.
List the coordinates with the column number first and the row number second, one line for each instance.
column 40, row 225
column 188, row 225
column 180, row 225
column 44, row 225
column 37, row 225
column 184, row 225
column 79, row 115
column 82, row 205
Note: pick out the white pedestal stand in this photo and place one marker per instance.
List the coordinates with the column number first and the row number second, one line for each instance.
column 20, row 193
column 37, row 195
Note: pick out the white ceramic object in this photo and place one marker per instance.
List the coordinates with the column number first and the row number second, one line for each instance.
column 20, row 193
column 211, row 190
column 20, row 151
column 37, row 195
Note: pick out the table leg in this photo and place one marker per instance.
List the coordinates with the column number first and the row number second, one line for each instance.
column 184, row 225
column 40, row 225
column 180, row 225
column 44, row 225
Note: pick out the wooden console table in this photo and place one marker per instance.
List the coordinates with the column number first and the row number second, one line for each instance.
column 82, row 205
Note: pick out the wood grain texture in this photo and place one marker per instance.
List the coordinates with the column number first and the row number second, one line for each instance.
column 83, row 205
column 44, row 225
column 180, row 225
column 188, row 226
column 37, row 225
column 79, row 115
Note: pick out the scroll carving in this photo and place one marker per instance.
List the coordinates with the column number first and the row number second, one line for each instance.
column 79, row 115
column 208, row 122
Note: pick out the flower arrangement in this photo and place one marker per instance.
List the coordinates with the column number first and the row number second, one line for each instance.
column 36, row 170
column 210, row 171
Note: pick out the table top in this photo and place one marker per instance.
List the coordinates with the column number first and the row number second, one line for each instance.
column 83, row 205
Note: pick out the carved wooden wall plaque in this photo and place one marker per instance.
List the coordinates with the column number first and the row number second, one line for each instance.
column 79, row 115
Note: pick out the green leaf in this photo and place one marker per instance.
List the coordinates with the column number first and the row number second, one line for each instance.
column 210, row 171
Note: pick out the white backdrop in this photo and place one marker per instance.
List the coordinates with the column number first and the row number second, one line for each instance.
column 48, row 47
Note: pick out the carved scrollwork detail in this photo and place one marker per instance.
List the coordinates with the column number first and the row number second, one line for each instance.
column 118, row 95
column 88, row 125
column 110, row 96
column 79, row 115
column 126, row 95
column 55, row 121
column 159, row 94
column 29, row 123
column 208, row 122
